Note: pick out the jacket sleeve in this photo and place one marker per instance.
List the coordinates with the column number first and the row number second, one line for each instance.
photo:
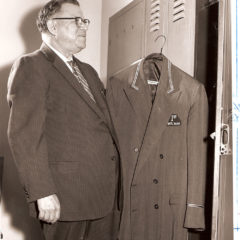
column 27, row 96
column 112, row 95
column 197, row 157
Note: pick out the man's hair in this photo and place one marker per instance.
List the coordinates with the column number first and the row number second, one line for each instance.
column 50, row 9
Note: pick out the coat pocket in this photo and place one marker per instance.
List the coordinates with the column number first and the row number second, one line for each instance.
column 177, row 206
column 175, row 199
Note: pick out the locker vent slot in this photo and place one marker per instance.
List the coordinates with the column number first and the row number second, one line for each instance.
column 155, row 15
column 178, row 10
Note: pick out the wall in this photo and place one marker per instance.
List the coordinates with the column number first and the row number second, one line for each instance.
column 18, row 36
column 109, row 8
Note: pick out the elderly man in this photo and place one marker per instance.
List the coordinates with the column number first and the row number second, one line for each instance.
column 60, row 131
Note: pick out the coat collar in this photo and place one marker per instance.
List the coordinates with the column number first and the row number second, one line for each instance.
column 136, row 89
column 61, row 67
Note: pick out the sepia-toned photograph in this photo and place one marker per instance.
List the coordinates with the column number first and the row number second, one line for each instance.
column 119, row 120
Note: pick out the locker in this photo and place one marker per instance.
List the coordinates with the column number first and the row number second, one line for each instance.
column 181, row 34
column 156, row 16
column 134, row 33
column 126, row 37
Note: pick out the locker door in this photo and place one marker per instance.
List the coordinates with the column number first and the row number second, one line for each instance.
column 222, row 219
column 156, row 25
column 126, row 36
column 181, row 34
column 175, row 19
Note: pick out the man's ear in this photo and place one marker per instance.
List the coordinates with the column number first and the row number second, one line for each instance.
column 51, row 27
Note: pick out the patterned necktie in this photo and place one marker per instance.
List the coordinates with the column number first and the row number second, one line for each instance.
column 77, row 73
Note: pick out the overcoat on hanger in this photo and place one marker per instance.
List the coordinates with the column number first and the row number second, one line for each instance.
column 163, row 151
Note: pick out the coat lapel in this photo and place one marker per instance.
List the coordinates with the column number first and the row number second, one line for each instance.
column 139, row 98
column 61, row 67
column 99, row 94
column 165, row 101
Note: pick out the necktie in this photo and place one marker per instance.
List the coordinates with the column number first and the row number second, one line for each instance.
column 77, row 73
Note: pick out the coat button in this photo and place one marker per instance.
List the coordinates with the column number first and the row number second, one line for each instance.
column 156, row 206
column 155, row 181
column 113, row 158
column 161, row 156
column 136, row 150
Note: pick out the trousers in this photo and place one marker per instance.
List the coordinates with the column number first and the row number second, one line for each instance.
column 105, row 228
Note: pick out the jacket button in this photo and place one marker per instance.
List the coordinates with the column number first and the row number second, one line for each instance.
column 136, row 150
column 113, row 158
column 161, row 156
column 156, row 206
column 155, row 181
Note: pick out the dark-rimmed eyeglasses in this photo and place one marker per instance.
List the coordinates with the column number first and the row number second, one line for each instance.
column 80, row 22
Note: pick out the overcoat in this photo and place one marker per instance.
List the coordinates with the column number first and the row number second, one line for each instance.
column 162, row 149
column 62, row 141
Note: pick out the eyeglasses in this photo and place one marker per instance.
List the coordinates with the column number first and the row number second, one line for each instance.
column 80, row 22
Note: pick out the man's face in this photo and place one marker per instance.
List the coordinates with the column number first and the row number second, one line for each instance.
column 70, row 37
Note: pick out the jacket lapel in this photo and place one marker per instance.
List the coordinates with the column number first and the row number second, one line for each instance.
column 138, row 97
column 98, row 92
column 165, row 102
column 61, row 67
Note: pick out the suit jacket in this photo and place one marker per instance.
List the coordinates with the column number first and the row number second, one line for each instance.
column 163, row 151
column 61, row 140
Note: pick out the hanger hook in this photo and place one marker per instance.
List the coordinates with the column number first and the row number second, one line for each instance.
column 165, row 39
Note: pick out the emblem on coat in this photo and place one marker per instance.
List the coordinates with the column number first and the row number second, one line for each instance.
column 174, row 120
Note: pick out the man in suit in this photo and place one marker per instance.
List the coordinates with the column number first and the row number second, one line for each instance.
column 60, row 131
column 160, row 115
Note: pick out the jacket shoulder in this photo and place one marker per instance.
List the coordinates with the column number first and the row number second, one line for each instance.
column 185, row 81
column 29, row 59
column 190, row 86
column 123, row 78
column 28, row 67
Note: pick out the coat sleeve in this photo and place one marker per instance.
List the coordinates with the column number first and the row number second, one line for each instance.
column 113, row 97
column 27, row 94
column 197, row 157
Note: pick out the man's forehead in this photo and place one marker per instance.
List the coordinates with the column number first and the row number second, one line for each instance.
column 69, row 10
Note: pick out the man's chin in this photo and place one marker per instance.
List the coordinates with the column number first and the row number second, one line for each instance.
column 81, row 45
column 79, row 48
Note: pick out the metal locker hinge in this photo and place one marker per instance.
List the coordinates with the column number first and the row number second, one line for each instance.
column 225, row 140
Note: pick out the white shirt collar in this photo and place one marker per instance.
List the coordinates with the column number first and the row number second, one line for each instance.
column 59, row 54
column 65, row 60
